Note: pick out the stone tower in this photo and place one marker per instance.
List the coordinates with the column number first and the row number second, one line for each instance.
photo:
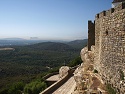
column 91, row 34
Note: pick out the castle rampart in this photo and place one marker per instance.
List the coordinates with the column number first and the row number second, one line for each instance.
column 110, row 46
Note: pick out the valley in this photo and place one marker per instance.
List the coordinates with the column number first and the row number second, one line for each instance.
column 28, row 62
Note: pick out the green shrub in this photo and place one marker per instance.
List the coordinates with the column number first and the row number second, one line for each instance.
column 110, row 89
column 75, row 62
column 16, row 88
column 56, row 69
column 34, row 87
column 3, row 91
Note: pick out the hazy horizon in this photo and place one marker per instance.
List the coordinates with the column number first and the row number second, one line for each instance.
column 48, row 39
column 48, row 19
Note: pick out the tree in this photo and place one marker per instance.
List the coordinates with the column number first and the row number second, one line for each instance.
column 75, row 62
column 34, row 87
column 16, row 88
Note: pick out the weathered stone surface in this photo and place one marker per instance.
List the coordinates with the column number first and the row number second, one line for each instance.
column 110, row 46
column 108, row 54
column 63, row 71
column 86, row 80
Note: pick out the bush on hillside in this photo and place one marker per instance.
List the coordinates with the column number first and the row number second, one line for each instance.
column 3, row 91
column 34, row 87
column 16, row 88
column 75, row 62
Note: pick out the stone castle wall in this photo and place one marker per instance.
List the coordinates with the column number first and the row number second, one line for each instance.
column 91, row 34
column 110, row 46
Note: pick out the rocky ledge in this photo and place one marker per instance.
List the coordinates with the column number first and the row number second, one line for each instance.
column 86, row 76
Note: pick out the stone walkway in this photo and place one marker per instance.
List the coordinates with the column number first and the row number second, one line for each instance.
column 53, row 78
column 66, row 88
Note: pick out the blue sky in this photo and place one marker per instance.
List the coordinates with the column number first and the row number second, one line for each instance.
column 48, row 19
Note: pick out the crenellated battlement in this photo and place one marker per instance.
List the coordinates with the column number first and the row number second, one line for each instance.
column 109, row 12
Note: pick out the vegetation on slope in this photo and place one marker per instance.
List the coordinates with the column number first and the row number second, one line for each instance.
column 75, row 62
column 79, row 44
column 20, row 67
column 35, row 58
column 34, row 87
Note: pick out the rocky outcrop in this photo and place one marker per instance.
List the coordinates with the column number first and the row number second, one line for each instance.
column 63, row 71
column 87, row 81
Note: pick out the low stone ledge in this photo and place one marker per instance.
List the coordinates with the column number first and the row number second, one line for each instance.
column 59, row 83
column 56, row 85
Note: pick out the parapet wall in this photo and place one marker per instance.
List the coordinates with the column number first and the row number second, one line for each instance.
column 110, row 11
column 59, row 83
column 110, row 46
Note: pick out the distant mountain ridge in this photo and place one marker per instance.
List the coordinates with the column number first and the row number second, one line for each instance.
column 19, row 41
column 79, row 44
column 12, row 39
column 52, row 46
column 73, row 45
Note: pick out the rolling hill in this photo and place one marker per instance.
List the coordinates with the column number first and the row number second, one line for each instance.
column 79, row 44
column 25, row 61
column 52, row 46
